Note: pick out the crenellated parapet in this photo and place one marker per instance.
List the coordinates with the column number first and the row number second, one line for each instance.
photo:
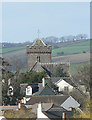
column 39, row 49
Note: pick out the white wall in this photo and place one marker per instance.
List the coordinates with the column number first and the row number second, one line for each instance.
column 43, row 82
column 29, row 90
column 63, row 84
column 40, row 113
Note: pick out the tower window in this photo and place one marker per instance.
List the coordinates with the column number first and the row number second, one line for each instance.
column 38, row 58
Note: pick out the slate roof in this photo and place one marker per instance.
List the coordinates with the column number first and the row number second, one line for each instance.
column 54, row 115
column 56, row 112
column 70, row 102
column 47, row 90
column 55, row 80
column 56, row 108
column 35, row 87
column 52, row 79
column 37, row 67
column 49, row 67
column 55, row 99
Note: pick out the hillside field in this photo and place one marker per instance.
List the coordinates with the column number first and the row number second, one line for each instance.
column 74, row 48
column 76, row 53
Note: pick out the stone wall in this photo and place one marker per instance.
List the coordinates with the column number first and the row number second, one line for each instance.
column 41, row 54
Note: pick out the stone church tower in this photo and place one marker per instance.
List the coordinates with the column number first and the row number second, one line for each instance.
column 38, row 52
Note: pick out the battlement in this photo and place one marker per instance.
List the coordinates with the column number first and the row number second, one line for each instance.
column 38, row 49
column 54, row 63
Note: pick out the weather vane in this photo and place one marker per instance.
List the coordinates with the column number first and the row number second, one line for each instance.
column 38, row 33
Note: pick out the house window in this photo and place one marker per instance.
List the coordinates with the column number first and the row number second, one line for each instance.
column 66, row 89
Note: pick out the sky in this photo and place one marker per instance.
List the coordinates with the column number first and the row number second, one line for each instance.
column 21, row 20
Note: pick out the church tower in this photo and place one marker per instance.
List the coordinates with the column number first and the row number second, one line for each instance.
column 38, row 52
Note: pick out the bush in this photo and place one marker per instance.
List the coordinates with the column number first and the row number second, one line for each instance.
column 29, row 77
column 84, row 52
column 59, row 72
column 60, row 53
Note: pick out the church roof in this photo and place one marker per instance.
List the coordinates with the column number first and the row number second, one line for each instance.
column 39, row 42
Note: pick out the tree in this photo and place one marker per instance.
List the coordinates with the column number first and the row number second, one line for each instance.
column 86, row 113
column 52, row 85
column 81, row 36
column 59, row 72
column 5, row 76
column 78, row 95
column 83, row 75
column 32, row 77
column 16, row 64
column 15, row 83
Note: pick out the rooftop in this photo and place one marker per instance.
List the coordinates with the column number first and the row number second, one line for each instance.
column 55, row 99
column 39, row 42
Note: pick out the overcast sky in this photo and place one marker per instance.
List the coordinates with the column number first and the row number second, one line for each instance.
column 21, row 21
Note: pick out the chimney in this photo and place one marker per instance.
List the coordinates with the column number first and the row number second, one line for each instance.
column 63, row 116
column 40, row 114
column 43, row 82
column 39, row 110
column 24, row 100
column 19, row 105
column 70, row 109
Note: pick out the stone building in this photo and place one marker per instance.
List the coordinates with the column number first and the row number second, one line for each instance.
column 39, row 58
column 38, row 52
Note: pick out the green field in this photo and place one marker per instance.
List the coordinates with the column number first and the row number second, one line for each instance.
column 4, row 50
column 74, row 48
column 72, row 52
column 74, row 68
column 82, row 43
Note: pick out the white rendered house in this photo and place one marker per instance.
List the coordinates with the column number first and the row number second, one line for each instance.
column 64, row 86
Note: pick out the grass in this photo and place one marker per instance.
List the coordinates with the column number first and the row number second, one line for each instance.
column 82, row 43
column 70, row 50
column 73, row 48
column 4, row 50
column 22, row 113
